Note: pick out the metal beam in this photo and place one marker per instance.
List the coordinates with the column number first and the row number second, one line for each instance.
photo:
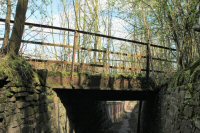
column 91, row 33
column 104, row 95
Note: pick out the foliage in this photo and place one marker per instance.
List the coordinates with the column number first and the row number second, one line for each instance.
column 127, row 76
column 16, row 70
column 61, row 73
column 170, row 23
column 186, row 76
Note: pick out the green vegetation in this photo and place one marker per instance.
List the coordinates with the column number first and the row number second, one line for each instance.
column 188, row 75
column 127, row 75
column 65, row 74
column 62, row 73
column 16, row 70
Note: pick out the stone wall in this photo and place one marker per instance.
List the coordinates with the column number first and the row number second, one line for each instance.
column 174, row 110
column 31, row 110
column 28, row 105
column 180, row 109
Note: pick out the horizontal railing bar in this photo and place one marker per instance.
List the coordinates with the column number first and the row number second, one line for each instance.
column 95, row 50
column 92, row 65
column 90, row 33
column 78, row 48
column 154, row 58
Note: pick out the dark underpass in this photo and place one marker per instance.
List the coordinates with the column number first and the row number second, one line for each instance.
column 87, row 109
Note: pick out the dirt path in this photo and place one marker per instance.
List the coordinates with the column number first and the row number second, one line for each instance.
column 128, row 124
column 125, row 125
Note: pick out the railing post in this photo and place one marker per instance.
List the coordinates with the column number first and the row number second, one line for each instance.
column 139, row 117
column 106, row 60
column 147, row 62
column 74, row 53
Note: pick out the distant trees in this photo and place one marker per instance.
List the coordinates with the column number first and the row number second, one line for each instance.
column 169, row 23
column 179, row 18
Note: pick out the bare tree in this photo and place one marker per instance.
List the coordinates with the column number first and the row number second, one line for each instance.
column 7, row 26
column 12, row 47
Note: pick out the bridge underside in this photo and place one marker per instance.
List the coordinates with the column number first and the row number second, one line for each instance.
column 104, row 95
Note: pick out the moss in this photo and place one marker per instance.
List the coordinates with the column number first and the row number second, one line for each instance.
column 62, row 73
column 194, row 65
column 190, row 88
column 126, row 76
column 9, row 94
column 195, row 76
column 17, row 70
column 186, row 76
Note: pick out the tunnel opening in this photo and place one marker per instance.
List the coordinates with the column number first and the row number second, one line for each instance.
column 102, row 111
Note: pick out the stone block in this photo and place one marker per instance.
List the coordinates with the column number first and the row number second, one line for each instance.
column 27, row 129
column 21, row 94
column 197, row 110
column 33, row 97
column 3, row 99
column 17, row 110
column 196, row 99
column 2, row 118
column 9, row 94
column 36, row 109
column 10, row 106
column 15, row 89
column 29, row 98
column 188, row 95
column 197, row 87
column 48, row 101
column 197, row 130
column 14, row 123
column 32, row 103
column 43, row 108
column 2, row 107
column 13, row 130
column 173, row 110
column 29, row 111
column 42, row 97
column 186, row 126
column 38, row 89
column 21, row 89
column 21, row 104
column 12, row 99
column 197, row 123
column 29, row 121
column 188, row 111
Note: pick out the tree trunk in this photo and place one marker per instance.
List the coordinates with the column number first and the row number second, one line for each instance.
column 77, row 23
column 18, row 28
column 7, row 27
column 96, row 28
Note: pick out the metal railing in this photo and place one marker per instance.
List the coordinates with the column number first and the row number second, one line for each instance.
column 118, row 60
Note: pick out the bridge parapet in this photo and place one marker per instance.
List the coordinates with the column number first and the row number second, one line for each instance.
column 59, row 80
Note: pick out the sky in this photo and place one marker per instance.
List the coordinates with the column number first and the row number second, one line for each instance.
column 52, row 14
column 54, row 11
